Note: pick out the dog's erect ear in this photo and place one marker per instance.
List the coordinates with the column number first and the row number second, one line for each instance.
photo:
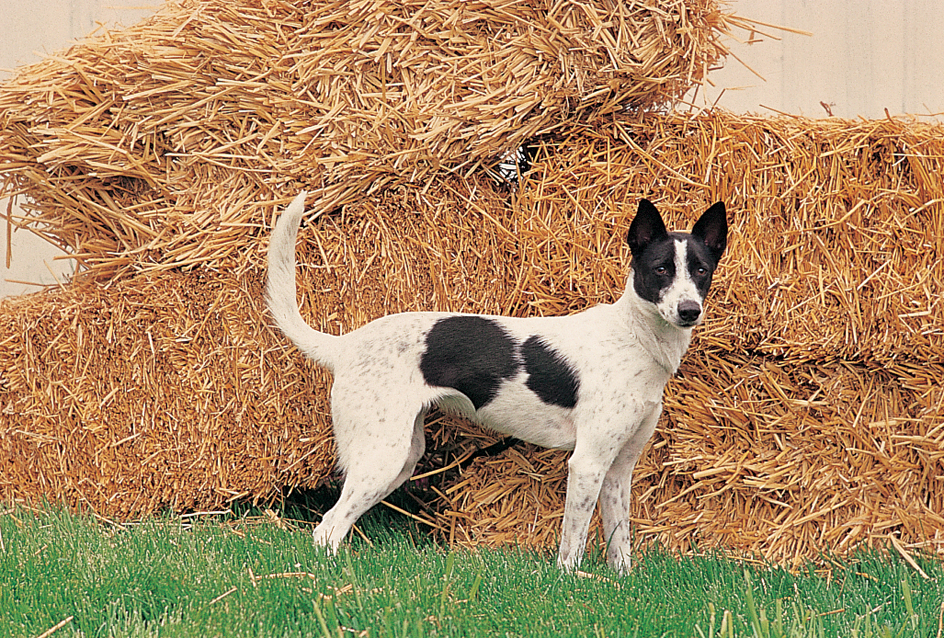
column 647, row 227
column 712, row 228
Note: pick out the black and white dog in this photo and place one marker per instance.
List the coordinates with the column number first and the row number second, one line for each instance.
column 590, row 382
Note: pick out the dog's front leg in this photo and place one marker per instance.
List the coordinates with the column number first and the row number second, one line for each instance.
column 615, row 495
column 586, row 469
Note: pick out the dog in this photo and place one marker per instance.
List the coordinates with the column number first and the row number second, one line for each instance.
column 590, row 382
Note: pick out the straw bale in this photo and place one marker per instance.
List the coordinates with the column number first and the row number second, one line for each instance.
column 844, row 218
column 836, row 243
column 836, row 237
column 159, row 392
column 782, row 459
column 837, row 226
column 163, row 144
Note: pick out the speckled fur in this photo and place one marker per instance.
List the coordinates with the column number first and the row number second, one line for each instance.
column 623, row 352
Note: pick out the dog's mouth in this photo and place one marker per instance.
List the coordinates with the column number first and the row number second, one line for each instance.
column 680, row 322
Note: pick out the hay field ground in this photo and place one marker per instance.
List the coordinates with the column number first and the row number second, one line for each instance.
column 257, row 574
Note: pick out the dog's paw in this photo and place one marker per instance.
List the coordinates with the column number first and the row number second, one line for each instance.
column 322, row 538
column 621, row 567
column 569, row 563
column 619, row 560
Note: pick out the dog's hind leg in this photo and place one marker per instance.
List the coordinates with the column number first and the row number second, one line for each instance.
column 369, row 478
column 615, row 496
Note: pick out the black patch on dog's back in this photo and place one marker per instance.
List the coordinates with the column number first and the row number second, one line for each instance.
column 470, row 354
column 549, row 375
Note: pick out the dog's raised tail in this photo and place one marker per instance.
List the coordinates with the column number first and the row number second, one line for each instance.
column 280, row 288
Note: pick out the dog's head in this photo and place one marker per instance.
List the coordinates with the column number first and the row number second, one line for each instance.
column 673, row 270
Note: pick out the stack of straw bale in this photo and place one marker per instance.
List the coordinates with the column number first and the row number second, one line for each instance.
column 164, row 144
column 809, row 414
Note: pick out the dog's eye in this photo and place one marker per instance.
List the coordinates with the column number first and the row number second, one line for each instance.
column 661, row 270
column 702, row 270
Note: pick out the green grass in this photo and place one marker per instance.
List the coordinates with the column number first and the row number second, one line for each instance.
column 246, row 576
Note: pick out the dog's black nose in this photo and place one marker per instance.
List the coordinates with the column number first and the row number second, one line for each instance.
column 688, row 311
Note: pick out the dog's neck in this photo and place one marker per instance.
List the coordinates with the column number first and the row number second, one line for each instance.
column 666, row 343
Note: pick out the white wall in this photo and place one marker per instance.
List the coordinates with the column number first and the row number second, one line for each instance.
column 864, row 56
